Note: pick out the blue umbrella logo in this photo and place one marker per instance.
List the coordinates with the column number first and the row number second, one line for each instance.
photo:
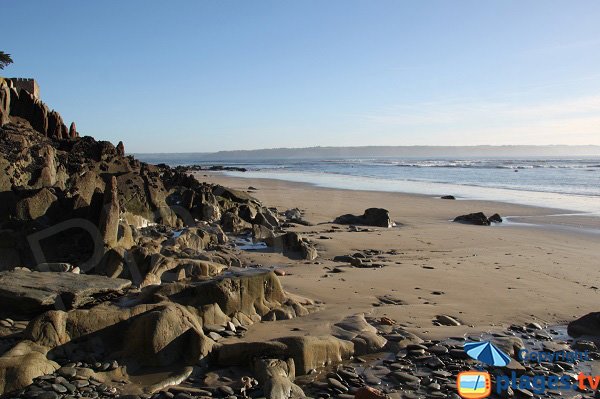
column 487, row 353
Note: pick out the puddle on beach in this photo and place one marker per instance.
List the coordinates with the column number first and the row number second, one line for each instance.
column 245, row 243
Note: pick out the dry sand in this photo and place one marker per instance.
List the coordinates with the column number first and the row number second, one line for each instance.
column 484, row 276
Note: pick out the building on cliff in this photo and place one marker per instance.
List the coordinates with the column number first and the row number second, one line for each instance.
column 27, row 84
column 19, row 98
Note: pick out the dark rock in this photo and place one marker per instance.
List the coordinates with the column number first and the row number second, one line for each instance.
column 448, row 197
column 587, row 325
column 372, row 217
column 478, row 219
column 232, row 223
column 495, row 218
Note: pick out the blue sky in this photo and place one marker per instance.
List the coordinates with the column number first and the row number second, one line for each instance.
column 195, row 76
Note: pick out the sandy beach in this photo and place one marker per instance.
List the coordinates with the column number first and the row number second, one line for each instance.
column 486, row 277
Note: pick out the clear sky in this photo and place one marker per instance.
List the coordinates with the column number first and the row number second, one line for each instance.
column 196, row 76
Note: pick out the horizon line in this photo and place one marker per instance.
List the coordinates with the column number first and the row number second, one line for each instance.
column 378, row 146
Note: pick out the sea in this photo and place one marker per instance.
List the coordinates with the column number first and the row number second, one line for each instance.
column 568, row 184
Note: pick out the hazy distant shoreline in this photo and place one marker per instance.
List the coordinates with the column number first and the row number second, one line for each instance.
column 384, row 151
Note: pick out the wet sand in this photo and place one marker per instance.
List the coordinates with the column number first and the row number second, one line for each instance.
column 486, row 277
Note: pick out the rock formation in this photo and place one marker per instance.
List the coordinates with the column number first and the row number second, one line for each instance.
column 111, row 265
column 73, row 131
column 121, row 149
column 109, row 219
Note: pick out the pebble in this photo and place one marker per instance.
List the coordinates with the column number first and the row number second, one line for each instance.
column 337, row 384
column 214, row 336
column 213, row 328
column 67, row 372
column 59, row 388
column 6, row 323
column 405, row 377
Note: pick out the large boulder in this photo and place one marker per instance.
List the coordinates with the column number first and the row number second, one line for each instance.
column 164, row 336
column 477, row 218
column 372, row 217
column 586, row 325
column 152, row 335
column 292, row 243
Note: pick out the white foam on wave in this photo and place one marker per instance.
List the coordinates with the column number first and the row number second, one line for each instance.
column 579, row 203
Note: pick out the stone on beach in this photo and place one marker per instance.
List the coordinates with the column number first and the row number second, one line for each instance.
column 371, row 217
column 478, row 219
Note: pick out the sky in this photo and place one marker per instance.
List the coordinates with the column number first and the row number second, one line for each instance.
column 203, row 76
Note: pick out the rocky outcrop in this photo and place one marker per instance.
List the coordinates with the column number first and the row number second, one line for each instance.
column 478, row 219
column 372, row 217
column 50, row 181
column 167, row 329
column 133, row 261
column 24, row 292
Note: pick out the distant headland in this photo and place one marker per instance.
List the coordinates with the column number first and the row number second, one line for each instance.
column 390, row 151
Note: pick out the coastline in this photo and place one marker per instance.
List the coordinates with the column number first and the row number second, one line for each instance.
column 584, row 204
column 487, row 277
column 523, row 214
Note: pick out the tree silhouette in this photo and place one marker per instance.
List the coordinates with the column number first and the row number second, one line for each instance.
column 5, row 59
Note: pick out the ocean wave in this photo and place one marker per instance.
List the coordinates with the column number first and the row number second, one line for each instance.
column 493, row 165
